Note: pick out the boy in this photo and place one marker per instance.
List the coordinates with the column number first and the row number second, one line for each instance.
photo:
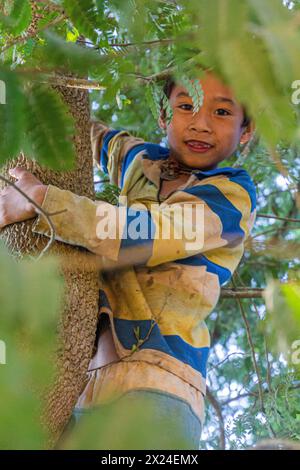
column 155, row 341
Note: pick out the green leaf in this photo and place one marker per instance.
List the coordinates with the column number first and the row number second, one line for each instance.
column 270, row 11
column 166, row 108
column 72, row 35
column 110, row 193
column 150, row 98
column 158, row 101
column 282, row 324
column 12, row 115
column 137, row 332
column 19, row 18
column 82, row 13
column 291, row 292
column 67, row 55
column 50, row 128
column 30, row 340
column 283, row 44
column 219, row 21
column 248, row 364
column 280, row 32
column 195, row 91
column 247, row 66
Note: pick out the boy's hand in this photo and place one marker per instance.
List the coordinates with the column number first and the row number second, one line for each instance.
column 14, row 207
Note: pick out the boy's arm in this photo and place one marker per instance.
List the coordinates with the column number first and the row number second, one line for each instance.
column 200, row 219
column 109, row 147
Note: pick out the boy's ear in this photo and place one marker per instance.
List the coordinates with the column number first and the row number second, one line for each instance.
column 161, row 120
column 247, row 133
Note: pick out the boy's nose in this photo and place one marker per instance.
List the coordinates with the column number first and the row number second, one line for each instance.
column 200, row 122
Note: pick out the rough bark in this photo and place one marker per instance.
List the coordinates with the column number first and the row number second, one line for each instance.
column 78, row 319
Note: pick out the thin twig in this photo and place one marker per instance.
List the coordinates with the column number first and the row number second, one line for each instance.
column 215, row 366
column 271, row 216
column 264, row 232
column 129, row 44
column 218, row 409
column 163, row 74
column 238, row 397
column 254, row 393
column 259, row 379
column 269, row 375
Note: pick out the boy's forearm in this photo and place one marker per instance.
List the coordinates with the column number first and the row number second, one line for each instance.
column 75, row 222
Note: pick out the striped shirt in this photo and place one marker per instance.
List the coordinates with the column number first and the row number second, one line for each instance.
column 157, row 305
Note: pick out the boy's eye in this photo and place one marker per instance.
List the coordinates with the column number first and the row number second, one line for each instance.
column 186, row 107
column 223, row 111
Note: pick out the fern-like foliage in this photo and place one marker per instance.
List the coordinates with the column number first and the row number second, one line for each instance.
column 195, row 91
column 106, row 191
column 158, row 101
column 49, row 128
column 12, row 115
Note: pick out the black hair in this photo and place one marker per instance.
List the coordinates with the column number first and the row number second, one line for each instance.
column 169, row 85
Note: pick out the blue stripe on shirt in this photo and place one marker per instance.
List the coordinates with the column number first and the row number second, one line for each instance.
column 247, row 184
column 156, row 152
column 169, row 344
column 224, row 274
column 128, row 159
column 139, row 228
column 104, row 149
column 229, row 215
column 236, row 175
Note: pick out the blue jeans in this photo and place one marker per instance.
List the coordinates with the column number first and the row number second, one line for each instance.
column 172, row 419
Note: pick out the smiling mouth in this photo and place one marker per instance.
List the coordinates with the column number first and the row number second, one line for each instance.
column 198, row 145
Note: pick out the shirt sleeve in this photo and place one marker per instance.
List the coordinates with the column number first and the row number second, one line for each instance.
column 110, row 147
column 200, row 219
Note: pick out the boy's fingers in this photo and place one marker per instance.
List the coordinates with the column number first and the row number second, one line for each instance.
column 17, row 172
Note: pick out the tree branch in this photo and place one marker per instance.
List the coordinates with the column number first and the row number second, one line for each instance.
column 21, row 39
column 242, row 292
column 69, row 82
column 250, row 341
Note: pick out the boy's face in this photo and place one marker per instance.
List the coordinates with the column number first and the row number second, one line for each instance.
column 217, row 123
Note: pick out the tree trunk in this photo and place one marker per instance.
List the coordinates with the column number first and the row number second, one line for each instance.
column 78, row 321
